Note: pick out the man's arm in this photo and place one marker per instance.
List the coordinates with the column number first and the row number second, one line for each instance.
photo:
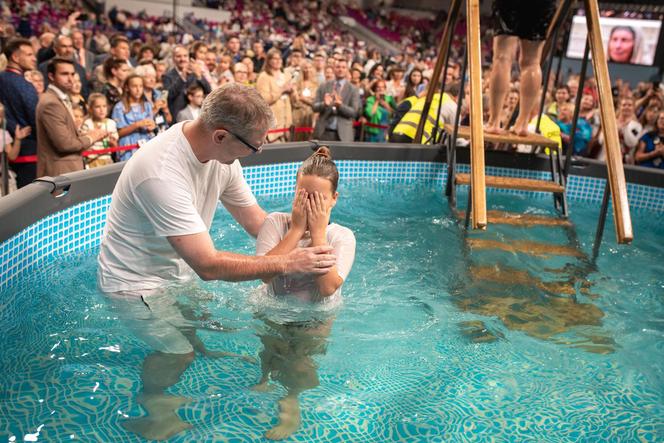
column 64, row 141
column 251, row 218
column 210, row 264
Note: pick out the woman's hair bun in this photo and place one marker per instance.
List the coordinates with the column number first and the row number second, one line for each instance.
column 323, row 151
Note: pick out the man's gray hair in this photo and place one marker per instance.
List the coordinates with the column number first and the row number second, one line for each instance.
column 237, row 108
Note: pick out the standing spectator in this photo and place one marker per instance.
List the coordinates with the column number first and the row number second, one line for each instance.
column 36, row 78
column 275, row 87
column 59, row 144
column 561, row 97
column 629, row 129
column 259, row 57
column 119, row 49
column 116, row 71
column 20, row 100
column 199, row 52
column 133, row 116
column 99, row 120
column 395, row 83
column 162, row 116
column 82, row 56
column 338, row 103
column 11, row 147
column 302, row 101
column 233, row 49
column 64, row 48
column 76, row 97
column 251, row 75
column 378, row 109
column 649, row 119
column 178, row 79
column 583, row 130
column 195, row 98
column 320, row 61
column 650, row 151
column 414, row 83
column 241, row 74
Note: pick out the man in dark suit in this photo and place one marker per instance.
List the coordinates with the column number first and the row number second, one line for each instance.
column 180, row 78
column 20, row 100
column 338, row 103
column 64, row 48
column 59, row 144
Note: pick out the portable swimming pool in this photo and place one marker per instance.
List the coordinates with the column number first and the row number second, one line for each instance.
column 436, row 340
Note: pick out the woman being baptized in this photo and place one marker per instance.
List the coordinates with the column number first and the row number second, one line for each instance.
column 290, row 345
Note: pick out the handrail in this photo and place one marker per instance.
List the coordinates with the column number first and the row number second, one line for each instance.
column 443, row 49
column 478, row 185
column 616, row 174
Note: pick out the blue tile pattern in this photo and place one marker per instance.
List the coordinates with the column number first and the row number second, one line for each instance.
column 80, row 227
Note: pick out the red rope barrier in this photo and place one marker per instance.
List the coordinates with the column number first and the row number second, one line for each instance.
column 108, row 150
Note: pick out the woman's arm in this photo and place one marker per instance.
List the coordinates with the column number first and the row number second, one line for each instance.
column 19, row 134
column 642, row 156
column 318, row 216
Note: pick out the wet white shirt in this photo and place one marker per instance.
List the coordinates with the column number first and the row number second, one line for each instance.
column 303, row 286
column 162, row 191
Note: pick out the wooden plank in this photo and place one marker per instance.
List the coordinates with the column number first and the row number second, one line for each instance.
column 616, row 174
column 511, row 276
column 509, row 138
column 443, row 48
column 525, row 220
column 525, row 247
column 478, row 186
column 525, row 184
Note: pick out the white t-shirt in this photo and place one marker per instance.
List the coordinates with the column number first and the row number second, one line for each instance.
column 303, row 286
column 163, row 191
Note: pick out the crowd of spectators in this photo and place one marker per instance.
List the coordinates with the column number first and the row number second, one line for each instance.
column 132, row 76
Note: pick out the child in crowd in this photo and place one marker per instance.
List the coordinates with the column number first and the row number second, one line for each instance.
column 11, row 147
column 79, row 116
column 195, row 96
column 133, row 116
column 289, row 347
column 98, row 111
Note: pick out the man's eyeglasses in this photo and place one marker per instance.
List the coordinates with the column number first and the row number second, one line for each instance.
column 256, row 149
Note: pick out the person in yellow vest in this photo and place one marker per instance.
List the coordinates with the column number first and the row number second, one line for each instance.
column 405, row 130
column 548, row 128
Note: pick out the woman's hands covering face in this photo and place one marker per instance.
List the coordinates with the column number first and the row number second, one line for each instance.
column 299, row 213
column 318, row 213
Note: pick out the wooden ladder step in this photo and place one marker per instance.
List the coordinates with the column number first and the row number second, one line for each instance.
column 524, row 184
column 509, row 138
column 526, row 220
column 512, row 276
column 525, row 247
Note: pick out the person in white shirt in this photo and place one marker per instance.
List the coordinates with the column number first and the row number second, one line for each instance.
column 289, row 347
column 157, row 237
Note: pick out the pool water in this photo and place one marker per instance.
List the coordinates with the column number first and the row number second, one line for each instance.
column 435, row 341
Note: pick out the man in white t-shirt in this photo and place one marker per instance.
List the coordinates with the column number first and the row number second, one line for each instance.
column 157, row 235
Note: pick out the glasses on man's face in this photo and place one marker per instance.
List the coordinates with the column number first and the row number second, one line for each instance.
column 255, row 149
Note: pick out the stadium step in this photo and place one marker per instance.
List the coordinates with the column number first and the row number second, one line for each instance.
column 524, row 184
column 526, row 220
column 525, row 247
column 508, row 138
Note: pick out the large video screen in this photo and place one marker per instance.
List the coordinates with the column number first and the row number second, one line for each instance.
column 626, row 40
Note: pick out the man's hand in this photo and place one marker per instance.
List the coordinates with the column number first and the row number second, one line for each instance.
column 327, row 99
column 316, row 260
column 337, row 99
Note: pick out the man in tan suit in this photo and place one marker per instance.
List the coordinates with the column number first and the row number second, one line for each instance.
column 59, row 145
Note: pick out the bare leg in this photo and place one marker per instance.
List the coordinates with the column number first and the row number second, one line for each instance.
column 199, row 346
column 160, row 371
column 504, row 49
column 531, row 82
